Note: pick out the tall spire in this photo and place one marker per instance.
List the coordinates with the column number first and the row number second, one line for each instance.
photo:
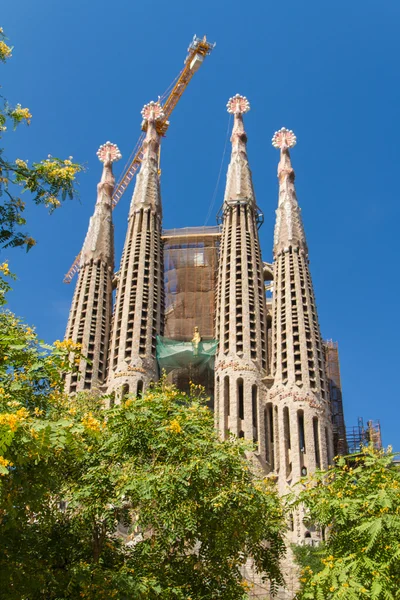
column 240, row 310
column 90, row 315
column 289, row 227
column 299, row 393
column 239, row 183
column 147, row 188
column 139, row 308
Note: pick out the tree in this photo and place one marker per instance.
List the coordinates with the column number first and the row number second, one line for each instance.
column 49, row 182
column 358, row 503
column 142, row 500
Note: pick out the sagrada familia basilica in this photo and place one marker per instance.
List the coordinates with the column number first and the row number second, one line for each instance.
column 193, row 301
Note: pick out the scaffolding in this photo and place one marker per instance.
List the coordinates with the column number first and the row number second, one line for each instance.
column 335, row 394
column 190, row 281
column 190, row 277
column 362, row 435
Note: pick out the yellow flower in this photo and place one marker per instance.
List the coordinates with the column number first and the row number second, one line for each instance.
column 53, row 202
column 174, row 426
column 5, row 51
column 89, row 422
column 4, row 269
column 21, row 114
column 9, row 420
column 21, row 163
column 4, row 462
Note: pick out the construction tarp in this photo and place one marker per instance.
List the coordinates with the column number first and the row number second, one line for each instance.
column 174, row 354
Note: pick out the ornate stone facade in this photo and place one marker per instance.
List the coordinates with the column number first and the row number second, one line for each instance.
column 139, row 307
column 270, row 376
column 241, row 362
column 89, row 320
column 299, row 427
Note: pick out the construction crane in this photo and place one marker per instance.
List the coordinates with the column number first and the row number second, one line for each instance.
column 197, row 51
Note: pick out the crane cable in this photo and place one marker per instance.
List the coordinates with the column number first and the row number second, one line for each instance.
column 214, row 196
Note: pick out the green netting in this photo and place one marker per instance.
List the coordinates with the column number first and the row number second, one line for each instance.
column 173, row 354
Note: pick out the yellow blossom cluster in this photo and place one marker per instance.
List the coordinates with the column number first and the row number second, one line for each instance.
column 13, row 420
column 53, row 202
column 89, row 422
column 21, row 163
column 21, row 114
column 4, row 269
column 68, row 345
column 174, row 426
column 4, row 462
column 5, row 51
column 56, row 170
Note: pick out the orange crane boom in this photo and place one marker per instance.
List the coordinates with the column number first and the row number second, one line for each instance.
column 197, row 51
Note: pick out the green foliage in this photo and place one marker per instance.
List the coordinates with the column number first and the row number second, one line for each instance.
column 142, row 500
column 47, row 181
column 358, row 502
column 309, row 557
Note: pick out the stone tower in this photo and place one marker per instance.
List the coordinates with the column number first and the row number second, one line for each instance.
column 90, row 315
column 298, row 425
column 139, row 307
column 241, row 360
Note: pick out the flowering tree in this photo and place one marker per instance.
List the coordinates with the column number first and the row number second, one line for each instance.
column 142, row 500
column 358, row 503
column 49, row 181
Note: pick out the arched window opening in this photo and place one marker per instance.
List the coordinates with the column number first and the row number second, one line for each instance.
column 254, row 407
column 302, row 439
column 241, row 434
column 226, row 404
column 276, row 437
column 269, row 436
column 124, row 391
column 286, row 434
column 240, row 397
column 139, row 388
column 316, row 443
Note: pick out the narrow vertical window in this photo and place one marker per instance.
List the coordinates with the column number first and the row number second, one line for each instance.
column 254, row 406
column 240, row 396
column 124, row 391
column 316, row 443
column 286, row 434
column 276, row 437
column 269, row 436
column 226, row 403
column 139, row 388
column 302, row 439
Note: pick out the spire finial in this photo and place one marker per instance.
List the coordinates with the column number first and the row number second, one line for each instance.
column 284, row 139
column 238, row 105
column 153, row 111
column 108, row 152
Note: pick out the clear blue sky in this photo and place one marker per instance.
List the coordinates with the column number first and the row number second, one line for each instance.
column 327, row 70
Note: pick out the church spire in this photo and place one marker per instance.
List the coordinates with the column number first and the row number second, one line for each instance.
column 139, row 307
column 289, row 227
column 90, row 315
column 147, row 188
column 241, row 361
column 99, row 243
column 239, row 183
column 299, row 392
